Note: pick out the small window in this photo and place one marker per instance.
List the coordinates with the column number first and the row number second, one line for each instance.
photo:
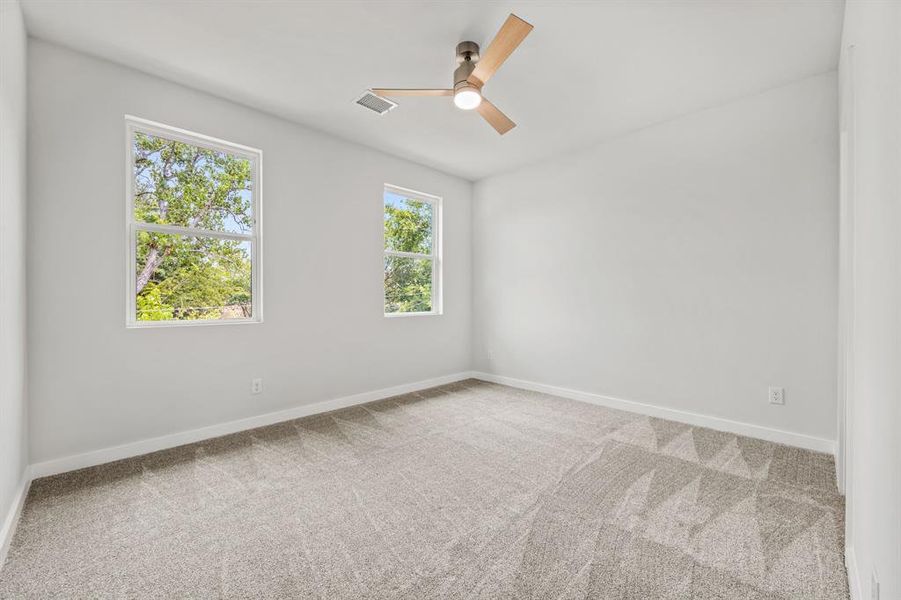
column 412, row 253
column 193, row 205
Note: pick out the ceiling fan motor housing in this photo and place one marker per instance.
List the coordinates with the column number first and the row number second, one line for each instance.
column 467, row 57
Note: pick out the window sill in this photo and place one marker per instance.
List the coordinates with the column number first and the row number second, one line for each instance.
column 186, row 323
column 412, row 314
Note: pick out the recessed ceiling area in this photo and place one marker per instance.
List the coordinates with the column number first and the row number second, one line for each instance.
column 588, row 71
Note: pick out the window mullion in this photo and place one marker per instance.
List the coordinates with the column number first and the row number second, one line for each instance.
column 193, row 231
column 409, row 255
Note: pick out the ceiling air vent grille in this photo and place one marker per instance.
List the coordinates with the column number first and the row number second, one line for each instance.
column 376, row 103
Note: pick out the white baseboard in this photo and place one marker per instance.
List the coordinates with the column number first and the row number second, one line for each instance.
column 788, row 438
column 105, row 455
column 12, row 515
column 854, row 589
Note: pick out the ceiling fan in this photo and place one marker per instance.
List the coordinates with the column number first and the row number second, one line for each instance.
column 473, row 71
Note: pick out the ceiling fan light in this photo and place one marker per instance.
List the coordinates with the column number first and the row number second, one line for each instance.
column 467, row 98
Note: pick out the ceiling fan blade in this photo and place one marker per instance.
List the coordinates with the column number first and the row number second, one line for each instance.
column 501, row 122
column 511, row 34
column 410, row 92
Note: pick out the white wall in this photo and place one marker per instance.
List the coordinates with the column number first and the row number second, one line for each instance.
column 689, row 265
column 94, row 384
column 13, row 420
column 870, row 75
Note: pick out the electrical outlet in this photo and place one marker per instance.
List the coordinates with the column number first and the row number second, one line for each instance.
column 874, row 586
column 256, row 386
column 777, row 395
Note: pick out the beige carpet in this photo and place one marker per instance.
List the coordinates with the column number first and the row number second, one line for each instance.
column 470, row 490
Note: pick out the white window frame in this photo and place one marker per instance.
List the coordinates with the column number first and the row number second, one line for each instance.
column 255, row 237
column 435, row 256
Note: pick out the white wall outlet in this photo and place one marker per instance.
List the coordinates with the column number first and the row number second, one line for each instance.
column 256, row 386
column 777, row 395
column 874, row 586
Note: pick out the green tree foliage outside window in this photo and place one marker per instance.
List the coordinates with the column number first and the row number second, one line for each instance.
column 409, row 254
column 191, row 277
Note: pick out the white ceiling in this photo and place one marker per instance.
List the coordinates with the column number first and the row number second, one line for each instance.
column 588, row 71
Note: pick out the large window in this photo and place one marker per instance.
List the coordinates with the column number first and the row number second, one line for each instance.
column 193, row 206
column 412, row 253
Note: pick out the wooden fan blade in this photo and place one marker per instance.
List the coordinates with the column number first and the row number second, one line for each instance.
column 410, row 92
column 501, row 122
column 511, row 34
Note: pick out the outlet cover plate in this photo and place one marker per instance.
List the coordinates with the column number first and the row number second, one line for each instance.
column 777, row 395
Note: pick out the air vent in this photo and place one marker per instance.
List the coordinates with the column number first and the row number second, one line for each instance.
column 376, row 103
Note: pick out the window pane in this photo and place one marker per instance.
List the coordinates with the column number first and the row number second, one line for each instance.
column 408, row 224
column 180, row 184
column 408, row 284
column 191, row 278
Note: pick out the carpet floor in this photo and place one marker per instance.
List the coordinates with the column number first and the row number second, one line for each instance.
column 470, row 490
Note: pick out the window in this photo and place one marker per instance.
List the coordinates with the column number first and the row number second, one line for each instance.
column 193, row 226
column 412, row 253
